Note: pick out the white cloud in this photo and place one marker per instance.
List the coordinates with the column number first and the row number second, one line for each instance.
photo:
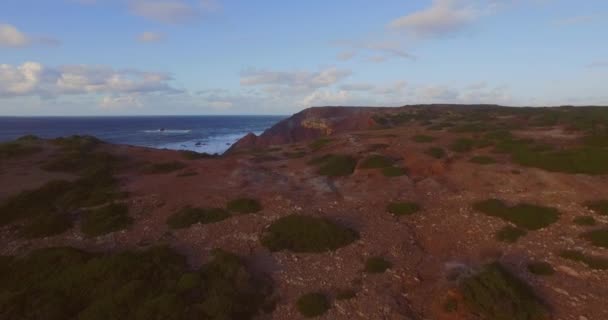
column 10, row 36
column 19, row 80
column 172, row 11
column 346, row 55
column 598, row 64
column 357, row 87
column 120, row 102
column 294, row 79
column 32, row 78
column 442, row 17
column 576, row 20
column 376, row 51
column 146, row 37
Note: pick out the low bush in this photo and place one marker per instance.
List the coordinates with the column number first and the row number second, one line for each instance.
column 163, row 167
column 16, row 149
column 402, row 208
column 346, row 294
column 319, row 143
column 110, row 218
column 600, row 207
column 482, row 160
column 312, row 304
column 67, row 283
column 45, row 225
column 540, row 268
column 423, row 139
column 462, row 145
column 188, row 216
column 301, row 233
column 377, row 265
column 585, row 221
column 193, row 155
column 510, row 234
column 436, row 152
column 335, row 165
column 376, row 161
column 394, row 172
column 244, row 205
column 597, row 237
column 592, row 262
column 526, row 216
column 494, row 293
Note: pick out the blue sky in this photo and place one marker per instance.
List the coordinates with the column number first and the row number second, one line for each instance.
column 112, row 57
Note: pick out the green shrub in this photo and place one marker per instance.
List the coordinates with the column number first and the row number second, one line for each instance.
column 300, row 233
column 312, row 305
column 585, row 221
column 45, row 225
column 450, row 305
column 462, row 145
column 540, row 268
column 186, row 217
column 423, row 139
column 336, row 165
column 193, row 155
column 599, row 207
column 346, row 294
column 377, row 265
column 244, row 205
column 436, row 152
column 82, row 162
column 592, row 262
column 9, row 150
column 110, row 218
column 402, row 208
column 494, row 293
column 483, row 160
column 394, row 172
column 294, row 155
column 186, row 174
column 526, row 216
column 163, row 167
column 593, row 161
column 376, row 161
column 597, row 237
column 510, row 234
column 66, row 283
column 319, row 143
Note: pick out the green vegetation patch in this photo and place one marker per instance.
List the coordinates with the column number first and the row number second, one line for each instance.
column 423, row 139
column 593, row 262
column 510, row 234
column 186, row 217
column 526, row 216
column 585, row 221
column 193, row 155
column 462, row 145
column 319, row 143
column 494, row 293
column 597, row 237
column 377, row 265
column 403, row 208
column 540, row 268
column 346, row 294
column 66, row 283
column 436, row 152
column 394, row 172
column 46, row 210
column 110, row 218
column 163, row 167
column 483, row 160
column 600, row 207
column 312, row 304
column 301, row 233
column 16, row 149
column 335, row 165
column 375, row 162
column 244, row 205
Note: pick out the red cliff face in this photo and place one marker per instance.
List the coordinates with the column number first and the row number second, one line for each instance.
column 310, row 124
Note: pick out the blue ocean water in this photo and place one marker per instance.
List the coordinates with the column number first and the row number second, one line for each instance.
column 211, row 134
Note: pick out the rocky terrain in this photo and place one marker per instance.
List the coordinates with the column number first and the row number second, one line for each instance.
column 419, row 212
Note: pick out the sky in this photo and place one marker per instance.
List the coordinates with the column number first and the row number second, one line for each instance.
column 191, row 57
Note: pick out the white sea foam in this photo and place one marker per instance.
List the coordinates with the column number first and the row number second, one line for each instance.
column 167, row 131
column 214, row 144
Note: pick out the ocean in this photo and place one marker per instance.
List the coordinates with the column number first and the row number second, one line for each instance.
column 210, row 134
